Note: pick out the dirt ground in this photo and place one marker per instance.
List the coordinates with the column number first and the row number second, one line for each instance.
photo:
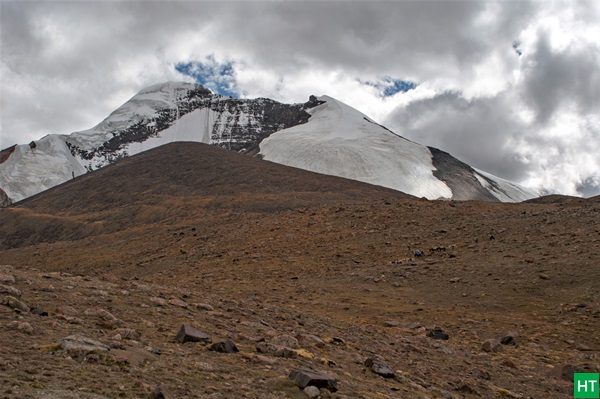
column 331, row 270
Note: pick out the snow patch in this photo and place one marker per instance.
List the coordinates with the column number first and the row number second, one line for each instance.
column 339, row 140
column 30, row 171
column 194, row 126
column 504, row 190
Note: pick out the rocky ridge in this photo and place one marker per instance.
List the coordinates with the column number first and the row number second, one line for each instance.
column 238, row 125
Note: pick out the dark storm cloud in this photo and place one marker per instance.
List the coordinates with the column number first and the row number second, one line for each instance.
column 475, row 131
column 554, row 78
column 590, row 187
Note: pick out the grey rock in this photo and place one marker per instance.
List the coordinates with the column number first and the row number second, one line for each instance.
column 101, row 313
column 6, row 289
column 188, row 333
column 129, row 333
column 508, row 340
column 380, row 367
column 312, row 391
column 275, row 350
column 161, row 392
column 80, row 345
column 70, row 319
column 15, row 304
column 67, row 311
column 285, row 340
column 304, row 377
column 204, row 306
column 227, row 346
column 401, row 324
column 158, row 301
column 5, row 200
column 437, row 333
column 492, row 345
column 39, row 312
column 6, row 277
column 178, row 302
column 21, row 326
column 310, row 340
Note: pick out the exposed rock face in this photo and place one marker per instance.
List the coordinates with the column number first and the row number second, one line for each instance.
column 235, row 124
column 5, row 153
column 4, row 200
column 458, row 176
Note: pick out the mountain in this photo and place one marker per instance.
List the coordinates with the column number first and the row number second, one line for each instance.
column 192, row 173
column 322, row 135
column 393, row 296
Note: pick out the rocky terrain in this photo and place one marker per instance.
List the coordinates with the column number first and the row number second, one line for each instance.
column 386, row 295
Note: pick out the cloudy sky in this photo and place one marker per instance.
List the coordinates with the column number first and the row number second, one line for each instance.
column 510, row 87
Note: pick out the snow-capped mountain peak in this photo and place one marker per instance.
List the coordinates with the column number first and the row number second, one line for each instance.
column 341, row 141
column 322, row 135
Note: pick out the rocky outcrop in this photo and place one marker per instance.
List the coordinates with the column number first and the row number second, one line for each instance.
column 4, row 199
column 238, row 124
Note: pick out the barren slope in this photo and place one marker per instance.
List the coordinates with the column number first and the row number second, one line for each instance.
column 259, row 253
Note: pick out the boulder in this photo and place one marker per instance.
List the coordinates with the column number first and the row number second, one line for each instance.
column 15, row 304
column 310, row 340
column 178, row 302
column 204, row 306
column 6, row 277
column 161, row 392
column 129, row 333
column 304, row 377
column 311, row 391
column 437, row 333
column 22, row 326
column 285, row 340
column 508, row 340
column 39, row 312
column 227, row 346
column 101, row 313
column 276, row 350
column 6, row 289
column 380, row 367
column 492, row 345
column 188, row 333
column 80, row 345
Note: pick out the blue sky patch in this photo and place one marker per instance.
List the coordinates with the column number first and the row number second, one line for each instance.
column 388, row 86
column 216, row 76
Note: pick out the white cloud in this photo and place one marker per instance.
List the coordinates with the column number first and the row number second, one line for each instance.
column 65, row 65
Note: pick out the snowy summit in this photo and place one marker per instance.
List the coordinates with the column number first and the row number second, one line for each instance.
column 322, row 135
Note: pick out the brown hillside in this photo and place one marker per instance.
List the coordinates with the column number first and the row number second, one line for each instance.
column 299, row 270
column 169, row 183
